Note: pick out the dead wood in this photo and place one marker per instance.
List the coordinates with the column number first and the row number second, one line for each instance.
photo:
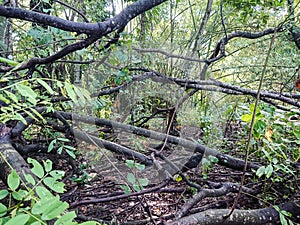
column 223, row 190
column 10, row 158
column 223, row 159
column 245, row 217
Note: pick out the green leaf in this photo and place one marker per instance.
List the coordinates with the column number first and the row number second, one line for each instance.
column 70, row 147
column 30, row 114
column 54, row 185
column 66, row 219
column 38, row 115
column 143, row 182
column 18, row 220
column 140, row 166
column 131, row 178
column 20, row 195
column 37, row 168
column 283, row 219
column 3, row 194
column 269, row 171
column 246, row 118
column 8, row 61
column 130, row 163
column 178, row 178
column 29, row 178
column 13, row 180
column 126, row 189
column 70, row 91
column 45, row 85
column 71, row 153
column 12, row 96
column 63, row 139
column 3, row 210
column 47, row 165
column 51, row 145
column 59, row 150
column 213, row 159
column 45, row 203
column 20, row 118
column 43, row 192
column 260, row 171
column 136, row 187
column 36, row 223
column 57, row 174
column 27, row 92
column 297, row 134
column 89, row 223
column 54, row 210
column 286, row 213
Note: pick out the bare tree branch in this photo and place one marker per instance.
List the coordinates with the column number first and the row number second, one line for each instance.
column 223, row 190
column 223, row 159
column 98, row 29
column 245, row 217
column 95, row 30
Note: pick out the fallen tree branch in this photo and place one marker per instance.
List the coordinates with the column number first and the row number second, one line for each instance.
column 101, row 143
column 158, row 188
column 226, row 188
column 223, row 159
column 11, row 159
column 238, row 217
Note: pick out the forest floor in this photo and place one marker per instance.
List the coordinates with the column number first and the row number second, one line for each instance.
column 97, row 194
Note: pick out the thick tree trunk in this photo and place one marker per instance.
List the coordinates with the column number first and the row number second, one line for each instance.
column 238, row 217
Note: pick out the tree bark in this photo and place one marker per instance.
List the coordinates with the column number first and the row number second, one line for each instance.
column 238, row 217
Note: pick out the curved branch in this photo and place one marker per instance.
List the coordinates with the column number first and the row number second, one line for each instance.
column 95, row 30
column 100, row 29
column 11, row 159
column 223, row 190
column 219, row 51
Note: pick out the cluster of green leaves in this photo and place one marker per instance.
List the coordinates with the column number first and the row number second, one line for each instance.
column 133, row 179
column 122, row 76
column 83, row 176
column 255, row 9
column 43, row 37
column 284, row 216
column 24, row 96
column 36, row 205
column 207, row 164
column 62, row 144
column 277, row 140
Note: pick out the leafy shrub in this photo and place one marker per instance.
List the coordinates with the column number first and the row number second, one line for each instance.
column 36, row 205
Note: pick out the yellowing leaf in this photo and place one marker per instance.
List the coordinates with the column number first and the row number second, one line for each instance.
column 178, row 178
column 268, row 134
